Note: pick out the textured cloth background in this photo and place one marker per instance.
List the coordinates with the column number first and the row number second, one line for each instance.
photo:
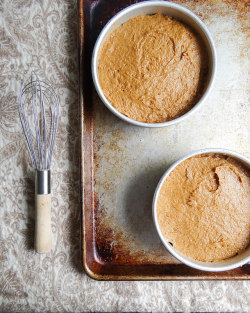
column 42, row 35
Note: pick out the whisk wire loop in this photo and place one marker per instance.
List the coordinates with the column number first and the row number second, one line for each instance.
column 34, row 101
column 38, row 107
column 24, row 121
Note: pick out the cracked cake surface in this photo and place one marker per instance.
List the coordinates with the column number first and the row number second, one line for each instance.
column 203, row 208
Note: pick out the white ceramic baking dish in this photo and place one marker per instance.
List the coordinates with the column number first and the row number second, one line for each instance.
column 166, row 8
column 228, row 264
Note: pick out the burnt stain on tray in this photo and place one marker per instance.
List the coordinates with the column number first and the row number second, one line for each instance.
column 102, row 11
column 108, row 252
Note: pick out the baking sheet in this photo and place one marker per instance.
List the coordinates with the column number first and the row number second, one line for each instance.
column 122, row 164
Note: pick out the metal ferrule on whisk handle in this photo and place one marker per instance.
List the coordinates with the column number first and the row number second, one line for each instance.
column 42, row 182
column 38, row 107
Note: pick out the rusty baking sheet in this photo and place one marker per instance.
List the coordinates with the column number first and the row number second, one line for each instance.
column 121, row 164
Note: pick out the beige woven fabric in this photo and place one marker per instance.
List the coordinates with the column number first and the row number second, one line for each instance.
column 42, row 35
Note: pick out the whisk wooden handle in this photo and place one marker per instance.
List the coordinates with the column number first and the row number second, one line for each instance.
column 43, row 223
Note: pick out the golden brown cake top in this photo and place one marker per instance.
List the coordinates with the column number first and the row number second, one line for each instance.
column 203, row 207
column 152, row 68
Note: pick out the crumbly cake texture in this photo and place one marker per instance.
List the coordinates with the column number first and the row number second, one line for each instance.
column 203, row 208
column 152, row 68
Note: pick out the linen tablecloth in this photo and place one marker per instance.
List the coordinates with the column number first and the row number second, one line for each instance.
column 42, row 35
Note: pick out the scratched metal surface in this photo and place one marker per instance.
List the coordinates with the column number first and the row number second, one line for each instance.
column 129, row 161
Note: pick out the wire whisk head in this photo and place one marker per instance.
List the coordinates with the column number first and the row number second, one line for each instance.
column 38, row 107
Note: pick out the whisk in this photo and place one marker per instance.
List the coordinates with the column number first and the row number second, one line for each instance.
column 38, row 107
